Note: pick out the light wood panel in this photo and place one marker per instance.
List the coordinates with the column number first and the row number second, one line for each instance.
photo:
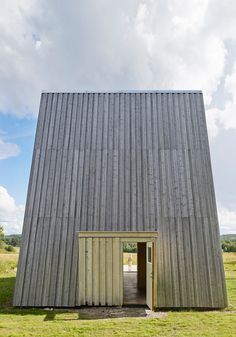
column 100, row 271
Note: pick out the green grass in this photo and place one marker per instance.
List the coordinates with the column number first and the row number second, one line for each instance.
column 230, row 273
column 32, row 322
column 8, row 264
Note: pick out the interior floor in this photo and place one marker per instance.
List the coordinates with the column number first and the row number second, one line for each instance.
column 133, row 295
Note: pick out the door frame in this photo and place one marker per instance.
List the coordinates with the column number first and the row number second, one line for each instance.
column 128, row 237
column 153, row 239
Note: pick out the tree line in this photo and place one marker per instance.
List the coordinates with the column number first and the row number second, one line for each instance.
column 9, row 242
column 228, row 246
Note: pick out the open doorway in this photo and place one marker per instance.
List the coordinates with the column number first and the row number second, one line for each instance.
column 134, row 273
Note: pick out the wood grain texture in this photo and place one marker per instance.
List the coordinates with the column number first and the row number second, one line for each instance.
column 101, row 284
column 122, row 161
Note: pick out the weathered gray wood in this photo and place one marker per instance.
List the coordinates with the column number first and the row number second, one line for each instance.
column 119, row 162
column 104, row 164
column 62, row 231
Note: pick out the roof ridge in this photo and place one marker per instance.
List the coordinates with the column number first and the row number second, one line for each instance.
column 123, row 91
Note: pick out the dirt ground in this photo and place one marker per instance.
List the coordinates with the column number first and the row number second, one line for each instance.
column 112, row 312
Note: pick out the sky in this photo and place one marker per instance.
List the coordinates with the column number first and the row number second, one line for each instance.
column 112, row 45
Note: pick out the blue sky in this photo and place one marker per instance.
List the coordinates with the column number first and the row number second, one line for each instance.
column 15, row 170
column 107, row 45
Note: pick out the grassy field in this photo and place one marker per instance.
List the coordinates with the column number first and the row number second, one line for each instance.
column 31, row 322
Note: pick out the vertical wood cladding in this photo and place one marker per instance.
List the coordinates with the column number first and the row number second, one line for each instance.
column 128, row 161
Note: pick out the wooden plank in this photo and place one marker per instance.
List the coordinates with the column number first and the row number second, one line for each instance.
column 62, row 232
column 188, row 262
column 80, row 145
column 86, row 166
column 54, row 240
column 150, row 165
column 219, row 293
column 92, row 174
column 121, row 280
column 25, row 278
column 109, row 271
column 69, row 147
column 102, row 271
column 105, row 234
column 174, row 262
column 73, row 293
column 121, row 167
column 33, row 279
column 72, row 257
column 160, row 269
column 68, row 231
column 82, row 272
column 95, row 271
column 61, row 262
column 144, row 165
column 104, row 164
column 133, row 194
column 202, row 262
column 97, row 189
column 181, row 265
column 167, row 265
column 127, row 163
column 164, row 203
column 27, row 230
column 138, row 133
column 34, row 260
column 195, row 262
column 116, row 271
column 89, row 270
column 213, row 288
column 109, row 174
column 171, row 123
column 166, row 131
column 42, row 263
column 155, row 271
column 156, row 167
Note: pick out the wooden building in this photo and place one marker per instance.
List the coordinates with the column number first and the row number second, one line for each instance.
column 112, row 167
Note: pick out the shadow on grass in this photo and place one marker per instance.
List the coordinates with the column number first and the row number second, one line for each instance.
column 92, row 313
column 7, row 285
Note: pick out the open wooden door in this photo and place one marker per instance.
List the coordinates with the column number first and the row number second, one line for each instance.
column 149, row 275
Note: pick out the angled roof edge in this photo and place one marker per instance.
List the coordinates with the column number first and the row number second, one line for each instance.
column 124, row 91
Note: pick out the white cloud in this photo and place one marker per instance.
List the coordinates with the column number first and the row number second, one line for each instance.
column 8, row 150
column 11, row 214
column 139, row 44
column 224, row 118
column 136, row 44
column 227, row 220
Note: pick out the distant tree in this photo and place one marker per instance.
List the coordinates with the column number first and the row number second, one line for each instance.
column 130, row 247
column 228, row 245
column 13, row 240
column 10, row 248
column 1, row 236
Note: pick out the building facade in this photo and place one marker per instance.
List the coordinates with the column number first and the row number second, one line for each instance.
column 110, row 167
